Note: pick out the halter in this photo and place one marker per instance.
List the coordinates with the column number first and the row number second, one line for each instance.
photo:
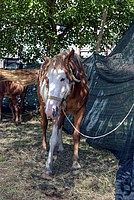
column 62, row 100
column 55, row 98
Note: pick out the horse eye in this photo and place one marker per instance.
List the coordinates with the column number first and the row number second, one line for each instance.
column 62, row 79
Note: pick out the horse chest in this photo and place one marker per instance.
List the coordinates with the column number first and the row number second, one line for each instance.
column 73, row 106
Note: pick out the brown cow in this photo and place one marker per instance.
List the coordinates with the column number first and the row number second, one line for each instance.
column 62, row 86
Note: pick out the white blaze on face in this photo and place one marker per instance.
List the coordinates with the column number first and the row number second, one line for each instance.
column 43, row 90
column 58, row 89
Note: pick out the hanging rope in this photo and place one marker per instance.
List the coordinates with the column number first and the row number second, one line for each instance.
column 104, row 135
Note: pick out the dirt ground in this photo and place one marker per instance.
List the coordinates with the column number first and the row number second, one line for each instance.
column 21, row 166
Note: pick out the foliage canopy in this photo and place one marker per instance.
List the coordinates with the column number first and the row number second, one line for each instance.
column 29, row 28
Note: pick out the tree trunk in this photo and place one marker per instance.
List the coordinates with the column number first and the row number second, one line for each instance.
column 103, row 20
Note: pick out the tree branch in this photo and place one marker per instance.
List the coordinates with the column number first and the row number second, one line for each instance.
column 67, row 28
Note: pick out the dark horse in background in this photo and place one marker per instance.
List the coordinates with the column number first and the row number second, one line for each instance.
column 62, row 88
column 13, row 90
column 13, row 84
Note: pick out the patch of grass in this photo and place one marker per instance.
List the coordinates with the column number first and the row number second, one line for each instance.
column 21, row 167
column 2, row 158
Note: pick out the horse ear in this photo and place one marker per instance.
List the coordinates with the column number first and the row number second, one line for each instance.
column 70, row 67
column 46, row 59
column 71, row 55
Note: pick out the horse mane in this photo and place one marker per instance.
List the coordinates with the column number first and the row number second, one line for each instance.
column 22, row 76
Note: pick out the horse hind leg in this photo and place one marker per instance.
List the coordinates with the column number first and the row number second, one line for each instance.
column 60, row 141
column 21, row 109
column 14, row 107
column 22, row 103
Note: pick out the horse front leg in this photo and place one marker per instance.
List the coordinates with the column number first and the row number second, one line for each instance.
column 53, row 141
column 60, row 141
column 44, row 123
column 76, row 138
column 1, row 98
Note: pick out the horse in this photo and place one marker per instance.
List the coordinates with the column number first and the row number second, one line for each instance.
column 62, row 88
column 14, row 84
column 13, row 90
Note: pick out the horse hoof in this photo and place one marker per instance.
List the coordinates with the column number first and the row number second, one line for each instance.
column 60, row 151
column 47, row 171
column 75, row 166
column 17, row 123
column 43, row 153
column 46, row 176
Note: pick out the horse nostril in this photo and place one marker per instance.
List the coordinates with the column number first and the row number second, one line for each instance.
column 55, row 111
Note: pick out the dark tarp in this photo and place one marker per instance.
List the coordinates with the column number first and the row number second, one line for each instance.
column 110, row 107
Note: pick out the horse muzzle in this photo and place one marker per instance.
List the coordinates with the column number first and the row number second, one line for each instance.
column 51, row 110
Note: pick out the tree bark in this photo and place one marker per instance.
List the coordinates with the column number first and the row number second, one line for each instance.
column 103, row 20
